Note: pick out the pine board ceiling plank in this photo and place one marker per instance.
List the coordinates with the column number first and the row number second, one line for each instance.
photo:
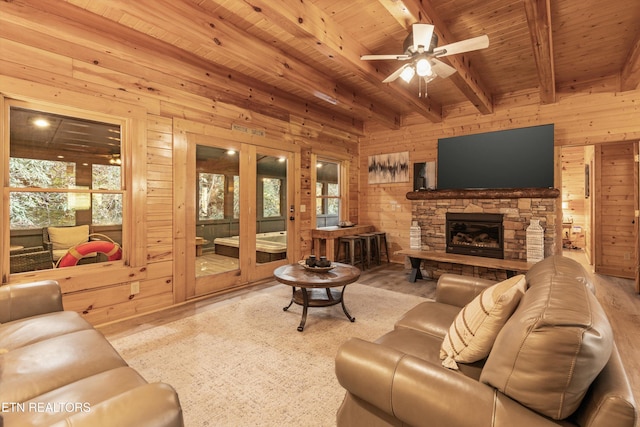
column 583, row 39
column 508, row 64
column 227, row 41
column 304, row 20
column 124, row 50
column 595, row 48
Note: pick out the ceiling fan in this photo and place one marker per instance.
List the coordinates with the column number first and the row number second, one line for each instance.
column 420, row 48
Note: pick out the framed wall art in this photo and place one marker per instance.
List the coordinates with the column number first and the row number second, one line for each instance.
column 389, row 168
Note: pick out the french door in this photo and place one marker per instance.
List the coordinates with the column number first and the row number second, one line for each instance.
column 238, row 214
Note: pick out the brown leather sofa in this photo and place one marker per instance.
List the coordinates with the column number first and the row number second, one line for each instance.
column 554, row 362
column 57, row 370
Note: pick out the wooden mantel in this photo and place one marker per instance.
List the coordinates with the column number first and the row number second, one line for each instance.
column 494, row 193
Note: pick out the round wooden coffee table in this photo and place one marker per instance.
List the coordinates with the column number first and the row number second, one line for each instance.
column 315, row 288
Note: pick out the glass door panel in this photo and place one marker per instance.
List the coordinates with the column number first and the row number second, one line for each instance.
column 272, row 211
column 217, row 211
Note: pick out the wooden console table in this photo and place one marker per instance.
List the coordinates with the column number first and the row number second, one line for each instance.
column 331, row 234
column 511, row 266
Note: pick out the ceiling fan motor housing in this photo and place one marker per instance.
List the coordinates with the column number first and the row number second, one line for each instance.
column 408, row 44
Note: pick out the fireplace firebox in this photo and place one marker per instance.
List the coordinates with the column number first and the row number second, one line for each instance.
column 478, row 234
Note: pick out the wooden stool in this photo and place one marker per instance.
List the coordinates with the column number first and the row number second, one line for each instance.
column 371, row 246
column 380, row 236
column 350, row 243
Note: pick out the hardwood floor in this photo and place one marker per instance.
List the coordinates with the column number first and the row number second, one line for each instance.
column 617, row 296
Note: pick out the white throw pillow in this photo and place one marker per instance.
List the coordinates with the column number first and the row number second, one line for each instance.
column 475, row 328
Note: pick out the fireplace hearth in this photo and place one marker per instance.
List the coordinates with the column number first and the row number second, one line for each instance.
column 478, row 234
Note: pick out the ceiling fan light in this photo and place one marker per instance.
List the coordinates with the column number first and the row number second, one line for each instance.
column 423, row 67
column 407, row 74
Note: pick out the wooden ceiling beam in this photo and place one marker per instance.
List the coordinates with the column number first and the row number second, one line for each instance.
column 630, row 75
column 150, row 59
column 219, row 38
column 304, row 19
column 539, row 20
column 467, row 80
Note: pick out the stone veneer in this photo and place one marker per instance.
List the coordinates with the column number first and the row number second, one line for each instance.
column 517, row 213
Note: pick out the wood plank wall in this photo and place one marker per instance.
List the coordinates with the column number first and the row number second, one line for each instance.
column 80, row 69
column 597, row 115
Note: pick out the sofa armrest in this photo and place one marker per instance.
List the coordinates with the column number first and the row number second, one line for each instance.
column 418, row 392
column 23, row 300
column 458, row 290
column 150, row 405
column 609, row 400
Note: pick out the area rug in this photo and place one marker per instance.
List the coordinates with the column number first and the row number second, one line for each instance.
column 242, row 362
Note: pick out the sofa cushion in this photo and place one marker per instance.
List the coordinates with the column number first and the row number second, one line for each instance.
column 43, row 366
column 78, row 396
column 551, row 349
column 425, row 347
column 475, row 328
column 429, row 317
column 22, row 332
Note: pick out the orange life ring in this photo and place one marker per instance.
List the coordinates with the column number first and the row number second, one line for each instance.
column 110, row 249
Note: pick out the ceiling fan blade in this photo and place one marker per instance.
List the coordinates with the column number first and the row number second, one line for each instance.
column 422, row 34
column 399, row 57
column 441, row 69
column 395, row 74
column 480, row 42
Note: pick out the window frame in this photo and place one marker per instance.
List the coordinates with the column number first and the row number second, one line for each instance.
column 343, row 187
column 133, row 188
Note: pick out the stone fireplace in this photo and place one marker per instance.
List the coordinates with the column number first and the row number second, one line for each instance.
column 516, row 207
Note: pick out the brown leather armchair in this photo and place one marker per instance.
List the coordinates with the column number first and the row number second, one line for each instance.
column 554, row 362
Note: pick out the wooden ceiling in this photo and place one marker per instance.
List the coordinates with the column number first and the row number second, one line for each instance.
column 303, row 57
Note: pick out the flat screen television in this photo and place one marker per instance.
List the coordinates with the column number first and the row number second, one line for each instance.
column 515, row 158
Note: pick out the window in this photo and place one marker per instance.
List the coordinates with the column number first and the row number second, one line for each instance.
column 218, row 192
column 63, row 171
column 106, row 209
column 40, row 209
column 328, row 197
column 271, row 197
column 212, row 193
